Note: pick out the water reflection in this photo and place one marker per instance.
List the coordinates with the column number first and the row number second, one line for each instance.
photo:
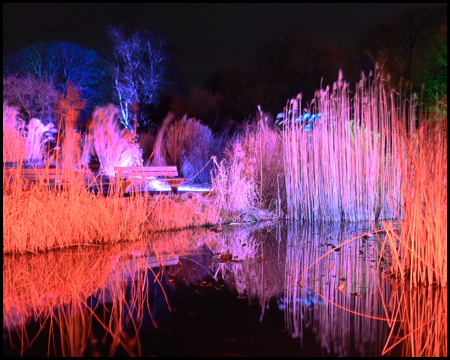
column 100, row 301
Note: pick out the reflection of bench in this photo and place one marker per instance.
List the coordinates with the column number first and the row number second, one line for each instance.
column 138, row 174
column 56, row 176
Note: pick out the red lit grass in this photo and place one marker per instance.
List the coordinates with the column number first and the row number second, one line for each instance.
column 421, row 257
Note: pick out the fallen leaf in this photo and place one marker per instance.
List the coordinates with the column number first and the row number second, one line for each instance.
column 260, row 260
column 354, row 293
column 330, row 266
column 341, row 287
column 224, row 257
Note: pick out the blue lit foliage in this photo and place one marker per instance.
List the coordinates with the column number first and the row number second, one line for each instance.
column 63, row 63
column 306, row 118
column 141, row 68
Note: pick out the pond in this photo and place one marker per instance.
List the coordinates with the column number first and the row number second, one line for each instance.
column 269, row 290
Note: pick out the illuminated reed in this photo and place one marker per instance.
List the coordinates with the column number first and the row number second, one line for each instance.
column 422, row 243
column 346, row 168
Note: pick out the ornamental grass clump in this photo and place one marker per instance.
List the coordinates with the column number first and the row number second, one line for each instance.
column 190, row 145
column 263, row 150
column 237, row 191
column 113, row 146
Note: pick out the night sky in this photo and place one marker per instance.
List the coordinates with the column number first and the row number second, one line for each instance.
column 204, row 37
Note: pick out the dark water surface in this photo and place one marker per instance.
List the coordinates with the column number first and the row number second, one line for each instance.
column 288, row 290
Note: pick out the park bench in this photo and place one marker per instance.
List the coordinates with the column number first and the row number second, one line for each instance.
column 56, row 176
column 135, row 175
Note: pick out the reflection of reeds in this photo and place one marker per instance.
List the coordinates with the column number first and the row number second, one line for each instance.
column 62, row 290
column 313, row 273
column 299, row 263
column 249, row 253
column 422, row 317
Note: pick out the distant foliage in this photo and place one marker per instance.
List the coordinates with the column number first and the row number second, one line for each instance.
column 410, row 48
column 62, row 63
column 199, row 104
column 32, row 97
column 289, row 63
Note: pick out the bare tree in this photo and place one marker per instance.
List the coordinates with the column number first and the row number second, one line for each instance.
column 141, row 69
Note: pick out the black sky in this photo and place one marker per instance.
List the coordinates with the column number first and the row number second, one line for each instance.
column 204, row 37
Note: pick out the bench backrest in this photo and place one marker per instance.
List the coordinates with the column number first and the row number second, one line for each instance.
column 39, row 174
column 146, row 171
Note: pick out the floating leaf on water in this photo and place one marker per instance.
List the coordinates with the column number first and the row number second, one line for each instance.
column 224, row 257
column 341, row 287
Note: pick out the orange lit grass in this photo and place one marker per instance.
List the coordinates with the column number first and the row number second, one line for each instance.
column 40, row 219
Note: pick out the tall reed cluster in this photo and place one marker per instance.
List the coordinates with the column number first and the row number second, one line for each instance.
column 348, row 167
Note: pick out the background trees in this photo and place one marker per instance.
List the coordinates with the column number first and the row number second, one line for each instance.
column 61, row 64
column 412, row 48
column 33, row 97
column 289, row 64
